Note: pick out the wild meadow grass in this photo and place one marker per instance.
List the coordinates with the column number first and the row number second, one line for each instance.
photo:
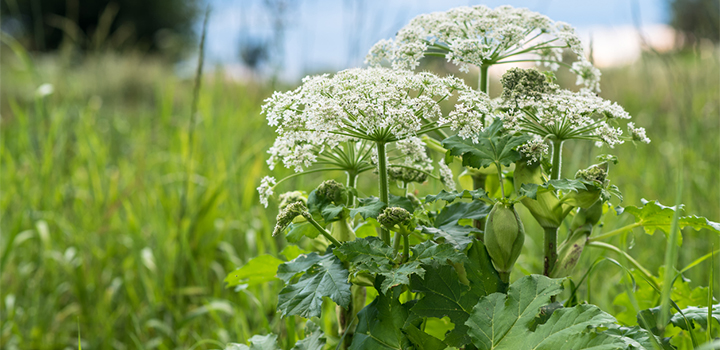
column 94, row 236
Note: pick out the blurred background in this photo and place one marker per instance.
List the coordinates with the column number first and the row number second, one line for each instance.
column 122, row 213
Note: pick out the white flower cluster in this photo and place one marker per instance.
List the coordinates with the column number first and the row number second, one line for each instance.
column 375, row 104
column 266, row 189
column 587, row 75
column 478, row 35
column 637, row 134
column 534, row 149
column 414, row 154
column 567, row 115
column 446, row 175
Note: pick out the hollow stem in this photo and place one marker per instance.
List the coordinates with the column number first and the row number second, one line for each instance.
column 556, row 160
column 322, row 230
column 483, row 79
column 383, row 185
column 351, row 182
column 550, row 249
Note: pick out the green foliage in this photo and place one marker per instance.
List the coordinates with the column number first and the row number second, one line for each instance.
column 654, row 216
column 321, row 276
column 500, row 321
column 454, row 195
column 446, row 225
column 380, row 324
column 259, row 270
column 257, row 342
column 495, row 146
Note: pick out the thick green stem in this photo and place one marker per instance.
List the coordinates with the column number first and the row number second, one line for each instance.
column 556, row 160
column 479, row 182
column 383, row 185
column 500, row 178
column 396, row 243
column 483, row 79
column 406, row 247
column 322, row 230
column 550, row 249
column 351, row 182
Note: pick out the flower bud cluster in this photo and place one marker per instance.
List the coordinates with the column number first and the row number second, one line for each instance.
column 333, row 191
column 287, row 215
column 392, row 216
column 288, row 198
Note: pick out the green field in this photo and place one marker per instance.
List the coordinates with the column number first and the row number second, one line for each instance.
column 120, row 218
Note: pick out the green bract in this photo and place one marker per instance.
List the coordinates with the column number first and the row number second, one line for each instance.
column 504, row 237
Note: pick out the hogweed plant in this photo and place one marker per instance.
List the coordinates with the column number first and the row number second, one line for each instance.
column 452, row 254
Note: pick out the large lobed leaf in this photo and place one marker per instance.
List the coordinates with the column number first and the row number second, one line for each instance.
column 445, row 294
column 654, row 216
column 446, row 224
column 321, row 276
column 503, row 321
column 260, row 269
column 452, row 196
column 493, row 146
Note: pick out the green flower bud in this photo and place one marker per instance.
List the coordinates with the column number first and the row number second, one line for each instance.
column 595, row 174
column 332, row 191
column 342, row 231
column 288, row 198
column 504, row 237
column 392, row 216
column 406, row 175
column 287, row 215
column 525, row 83
column 414, row 200
column 546, row 208
column 590, row 215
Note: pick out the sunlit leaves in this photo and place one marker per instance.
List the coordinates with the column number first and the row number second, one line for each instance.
column 654, row 216
column 494, row 146
column 258, row 270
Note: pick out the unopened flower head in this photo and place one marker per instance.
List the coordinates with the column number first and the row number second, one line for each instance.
column 333, row 191
column 446, row 175
column 392, row 216
column 375, row 104
column 291, row 197
column 595, row 173
column 287, row 215
column 478, row 36
column 266, row 189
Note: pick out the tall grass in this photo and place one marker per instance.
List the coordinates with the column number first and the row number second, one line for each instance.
column 93, row 177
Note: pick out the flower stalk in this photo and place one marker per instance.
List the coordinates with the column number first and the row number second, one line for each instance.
column 383, row 185
column 550, row 249
column 321, row 229
column 556, row 159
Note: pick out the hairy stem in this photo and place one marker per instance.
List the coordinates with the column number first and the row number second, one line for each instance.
column 556, row 160
column 351, row 182
column 550, row 249
column 483, row 79
column 322, row 230
column 383, row 185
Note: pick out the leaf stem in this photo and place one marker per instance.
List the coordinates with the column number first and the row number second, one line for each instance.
column 383, row 185
column 550, row 249
column 483, row 79
column 556, row 159
column 322, row 230
column 648, row 276
column 614, row 232
column 351, row 182
column 500, row 178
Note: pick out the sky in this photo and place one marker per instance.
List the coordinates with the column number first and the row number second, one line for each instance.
column 327, row 35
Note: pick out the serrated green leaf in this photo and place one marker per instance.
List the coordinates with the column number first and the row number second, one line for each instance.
column 565, row 185
column 431, row 253
column 402, row 202
column 331, row 211
column 257, row 342
column 297, row 231
column 697, row 316
column 380, row 324
column 493, row 146
column 367, row 251
column 291, row 252
column 444, row 295
column 314, row 338
column 481, row 273
column 401, row 275
column 369, row 207
column 326, row 278
column 452, row 196
column 259, row 270
column 422, row 340
column 447, row 227
column 286, row 271
column 641, row 336
column 654, row 216
column 501, row 321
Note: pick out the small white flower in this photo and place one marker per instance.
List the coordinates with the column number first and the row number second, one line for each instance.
column 45, row 90
column 446, row 175
column 534, row 149
column 587, row 75
column 266, row 189
column 638, row 134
